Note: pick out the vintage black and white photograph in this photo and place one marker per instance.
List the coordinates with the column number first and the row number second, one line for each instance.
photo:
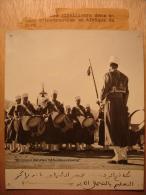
column 74, row 109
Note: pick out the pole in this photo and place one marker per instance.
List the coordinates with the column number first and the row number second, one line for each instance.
column 93, row 79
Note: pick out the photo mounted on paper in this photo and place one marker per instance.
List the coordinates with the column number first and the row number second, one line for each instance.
column 74, row 110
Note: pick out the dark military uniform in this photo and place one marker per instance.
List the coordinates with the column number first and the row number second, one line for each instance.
column 27, row 109
column 79, row 130
column 47, row 109
column 6, row 124
column 58, row 106
column 48, row 135
column 56, row 132
column 115, row 94
column 80, row 110
column 89, row 114
column 89, row 131
column 101, row 128
column 11, row 134
column 69, row 135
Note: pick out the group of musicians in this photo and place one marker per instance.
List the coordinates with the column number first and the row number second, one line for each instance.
column 47, row 134
column 76, row 126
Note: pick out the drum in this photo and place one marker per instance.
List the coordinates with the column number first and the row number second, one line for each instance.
column 81, row 119
column 88, row 122
column 68, row 124
column 24, row 120
column 59, row 119
column 136, row 121
column 136, row 128
column 34, row 121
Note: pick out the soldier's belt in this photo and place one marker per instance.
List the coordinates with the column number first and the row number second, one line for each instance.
column 118, row 91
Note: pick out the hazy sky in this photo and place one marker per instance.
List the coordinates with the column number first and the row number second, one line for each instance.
column 59, row 59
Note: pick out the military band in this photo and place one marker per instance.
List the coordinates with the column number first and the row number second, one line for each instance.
column 50, row 125
column 58, row 125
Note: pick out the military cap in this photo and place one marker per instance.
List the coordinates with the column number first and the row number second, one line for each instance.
column 114, row 59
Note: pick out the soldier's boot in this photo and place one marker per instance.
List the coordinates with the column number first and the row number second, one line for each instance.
column 83, row 146
column 68, row 147
column 18, row 147
column 123, row 151
column 55, row 148
column 88, row 147
column 13, row 146
column 27, row 148
column 7, row 146
column 120, row 155
column 48, row 147
column 21, row 149
column 78, row 147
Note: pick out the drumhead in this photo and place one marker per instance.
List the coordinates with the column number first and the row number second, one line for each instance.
column 137, row 120
column 33, row 121
column 59, row 118
column 88, row 122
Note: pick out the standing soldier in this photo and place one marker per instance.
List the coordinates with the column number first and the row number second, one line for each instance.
column 25, row 110
column 80, row 107
column 79, row 114
column 90, row 131
column 29, row 108
column 88, row 111
column 58, row 106
column 12, row 114
column 101, row 129
column 7, row 120
column 69, row 134
column 57, row 138
column 45, row 108
column 115, row 95
column 39, row 133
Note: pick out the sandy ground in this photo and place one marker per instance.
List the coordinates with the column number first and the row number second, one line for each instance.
column 97, row 159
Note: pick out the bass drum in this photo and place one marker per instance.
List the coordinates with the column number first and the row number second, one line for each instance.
column 136, row 120
column 68, row 124
column 58, row 119
column 88, row 122
column 34, row 121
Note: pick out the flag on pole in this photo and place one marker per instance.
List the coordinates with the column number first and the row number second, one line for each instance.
column 89, row 71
